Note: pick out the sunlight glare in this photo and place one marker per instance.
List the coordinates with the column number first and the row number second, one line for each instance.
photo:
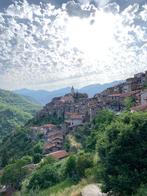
column 94, row 36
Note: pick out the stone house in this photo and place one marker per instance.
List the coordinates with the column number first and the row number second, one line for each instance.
column 144, row 97
column 74, row 120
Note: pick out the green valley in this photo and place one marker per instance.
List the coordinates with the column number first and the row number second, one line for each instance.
column 15, row 111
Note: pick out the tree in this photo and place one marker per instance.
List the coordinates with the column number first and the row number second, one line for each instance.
column 122, row 151
column 129, row 102
column 77, row 165
column 38, row 148
column 37, row 158
column 84, row 161
column 71, row 168
column 14, row 173
column 44, row 177
column 103, row 118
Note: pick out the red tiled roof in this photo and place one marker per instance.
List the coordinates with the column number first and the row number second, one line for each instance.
column 48, row 126
column 70, row 113
column 48, row 146
column 76, row 117
column 115, row 95
column 140, row 108
column 59, row 154
column 124, row 94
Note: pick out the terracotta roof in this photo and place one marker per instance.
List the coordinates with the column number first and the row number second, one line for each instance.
column 124, row 94
column 140, row 108
column 48, row 146
column 48, row 126
column 76, row 117
column 59, row 154
column 115, row 95
column 70, row 113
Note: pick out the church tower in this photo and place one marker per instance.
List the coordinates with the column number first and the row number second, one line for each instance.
column 72, row 90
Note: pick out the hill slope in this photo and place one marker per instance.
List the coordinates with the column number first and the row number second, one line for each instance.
column 15, row 110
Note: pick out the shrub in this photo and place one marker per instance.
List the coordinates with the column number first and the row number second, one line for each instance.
column 45, row 177
column 77, row 165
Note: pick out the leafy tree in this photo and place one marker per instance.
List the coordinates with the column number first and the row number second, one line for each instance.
column 77, row 165
column 122, row 151
column 103, row 118
column 14, row 173
column 37, row 158
column 71, row 168
column 38, row 148
column 84, row 161
column 129, row 102
column 44, row 177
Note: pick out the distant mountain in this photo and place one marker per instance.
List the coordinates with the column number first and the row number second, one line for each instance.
column 15, row 110
column 91, row 90
column 43, row 97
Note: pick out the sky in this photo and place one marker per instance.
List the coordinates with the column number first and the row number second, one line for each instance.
column 43, row 46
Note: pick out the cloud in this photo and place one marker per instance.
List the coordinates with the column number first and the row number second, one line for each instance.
column 52, row 48
column 75, row 9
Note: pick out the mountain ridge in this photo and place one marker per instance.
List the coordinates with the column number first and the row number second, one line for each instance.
column 43, row 97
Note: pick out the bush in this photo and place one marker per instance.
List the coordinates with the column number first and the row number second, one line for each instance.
column 77, row 165
column 47, row 160
column 37, row 158
column 71, row 168
column 142, row 191
column 84, row 161
column 45, row 177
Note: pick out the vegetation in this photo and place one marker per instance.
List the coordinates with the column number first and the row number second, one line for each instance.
column 18, row 144
column 18, row 101
column 129, row 102
column 45, row 177
column 122, row 152
column 121, row 143
column 15, row 111
column 111, row 150
column 14, row 173
column 53, row 172
column 90, row 133
column 46, row 119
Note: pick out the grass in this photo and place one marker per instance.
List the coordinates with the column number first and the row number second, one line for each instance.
column 65, row 188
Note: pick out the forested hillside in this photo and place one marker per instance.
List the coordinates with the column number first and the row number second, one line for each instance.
column 15, row 110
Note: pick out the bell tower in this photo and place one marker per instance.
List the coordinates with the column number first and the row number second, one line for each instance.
column 72, row 90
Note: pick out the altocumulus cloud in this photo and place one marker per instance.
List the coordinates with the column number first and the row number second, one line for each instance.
column 46, row 47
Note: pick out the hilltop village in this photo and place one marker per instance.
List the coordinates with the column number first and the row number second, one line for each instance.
column 75, row 109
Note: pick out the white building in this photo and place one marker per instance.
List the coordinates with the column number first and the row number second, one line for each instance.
column 74, row 120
